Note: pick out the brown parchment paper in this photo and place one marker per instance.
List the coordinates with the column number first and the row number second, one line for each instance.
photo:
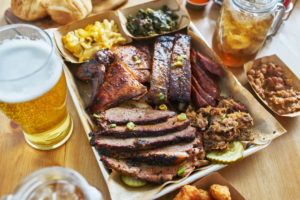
column 266, row 127
column 174, row 5
column 287, row 73
column 205, row 183
column 63, row 30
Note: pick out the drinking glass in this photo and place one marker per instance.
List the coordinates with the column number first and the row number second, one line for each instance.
column 33, row 86
column 242, row 28
column 54, row 183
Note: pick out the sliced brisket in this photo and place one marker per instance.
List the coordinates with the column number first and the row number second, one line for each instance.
column 121, row 115
column 153, row 174
column 171, row 125
column 164, row 156
column 143, row 143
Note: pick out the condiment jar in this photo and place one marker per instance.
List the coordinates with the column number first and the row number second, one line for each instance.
column 54, row 183
column 242, row 28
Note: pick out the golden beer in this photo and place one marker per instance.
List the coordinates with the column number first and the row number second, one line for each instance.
column 44, row 120
column 33, row 91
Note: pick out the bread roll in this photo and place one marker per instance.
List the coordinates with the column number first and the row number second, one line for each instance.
column 28, row 10
column 65, row 11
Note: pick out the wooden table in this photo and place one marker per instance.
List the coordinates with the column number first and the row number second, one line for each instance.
column 273, row 173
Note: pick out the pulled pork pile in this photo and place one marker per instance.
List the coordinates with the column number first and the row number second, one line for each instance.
column 228, row 121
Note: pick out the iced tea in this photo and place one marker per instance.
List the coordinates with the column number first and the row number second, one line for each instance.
column 239, row 34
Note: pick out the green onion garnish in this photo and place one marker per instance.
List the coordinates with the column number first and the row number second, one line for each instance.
column 130, row 125
column 181, row 171
column 161, row 96
column 224, row 116
column 181, row 57
column 113, row 125
column 181, row 116
column 96, row 115
column 183, row 163
column 135, row 58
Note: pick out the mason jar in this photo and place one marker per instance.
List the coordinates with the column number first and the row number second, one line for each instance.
column 54, row 183
column 242, row 28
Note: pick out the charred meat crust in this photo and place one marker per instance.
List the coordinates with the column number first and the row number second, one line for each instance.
column 204, row 81
column 94, row 70
column 120, row 85
column 171, row 125
column 140, row 66
column 122, row 116
column 160, row 69
column 143, row 143
column 179, row 90
column 210, row 65
column 209, row 99
column 198, row 99
column 164, row 156
column 150, row 173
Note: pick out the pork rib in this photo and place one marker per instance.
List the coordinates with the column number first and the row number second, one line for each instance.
column 180, row 71
column 160, row 70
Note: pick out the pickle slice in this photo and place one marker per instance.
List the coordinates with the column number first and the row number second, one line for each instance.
column 132, row 182
column 233, row 154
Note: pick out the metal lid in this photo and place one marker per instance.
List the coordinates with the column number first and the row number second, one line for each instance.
column 256, row 6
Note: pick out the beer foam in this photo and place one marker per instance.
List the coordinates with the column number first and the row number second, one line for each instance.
column 22, row 74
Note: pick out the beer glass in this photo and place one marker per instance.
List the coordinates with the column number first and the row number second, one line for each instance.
column 242, row 28
column 33, row 86
column 54, row 183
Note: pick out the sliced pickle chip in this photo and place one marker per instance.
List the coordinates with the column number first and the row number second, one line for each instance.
column 132, row 182
column 232, row 155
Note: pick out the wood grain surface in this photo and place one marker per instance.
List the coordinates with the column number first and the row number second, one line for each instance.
column 273, row 173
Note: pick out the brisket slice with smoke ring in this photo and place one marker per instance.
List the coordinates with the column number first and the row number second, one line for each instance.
column 164, row 156
column 150, row 173
column 169, row 126
column 143, row 143
column 121, row 116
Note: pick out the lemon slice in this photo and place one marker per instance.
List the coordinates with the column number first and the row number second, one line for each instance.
column 233, row 154
column 132, row 182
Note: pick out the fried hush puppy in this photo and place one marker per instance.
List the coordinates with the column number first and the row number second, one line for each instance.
column 220, row 192
column 216, row 192
column 189, row 192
